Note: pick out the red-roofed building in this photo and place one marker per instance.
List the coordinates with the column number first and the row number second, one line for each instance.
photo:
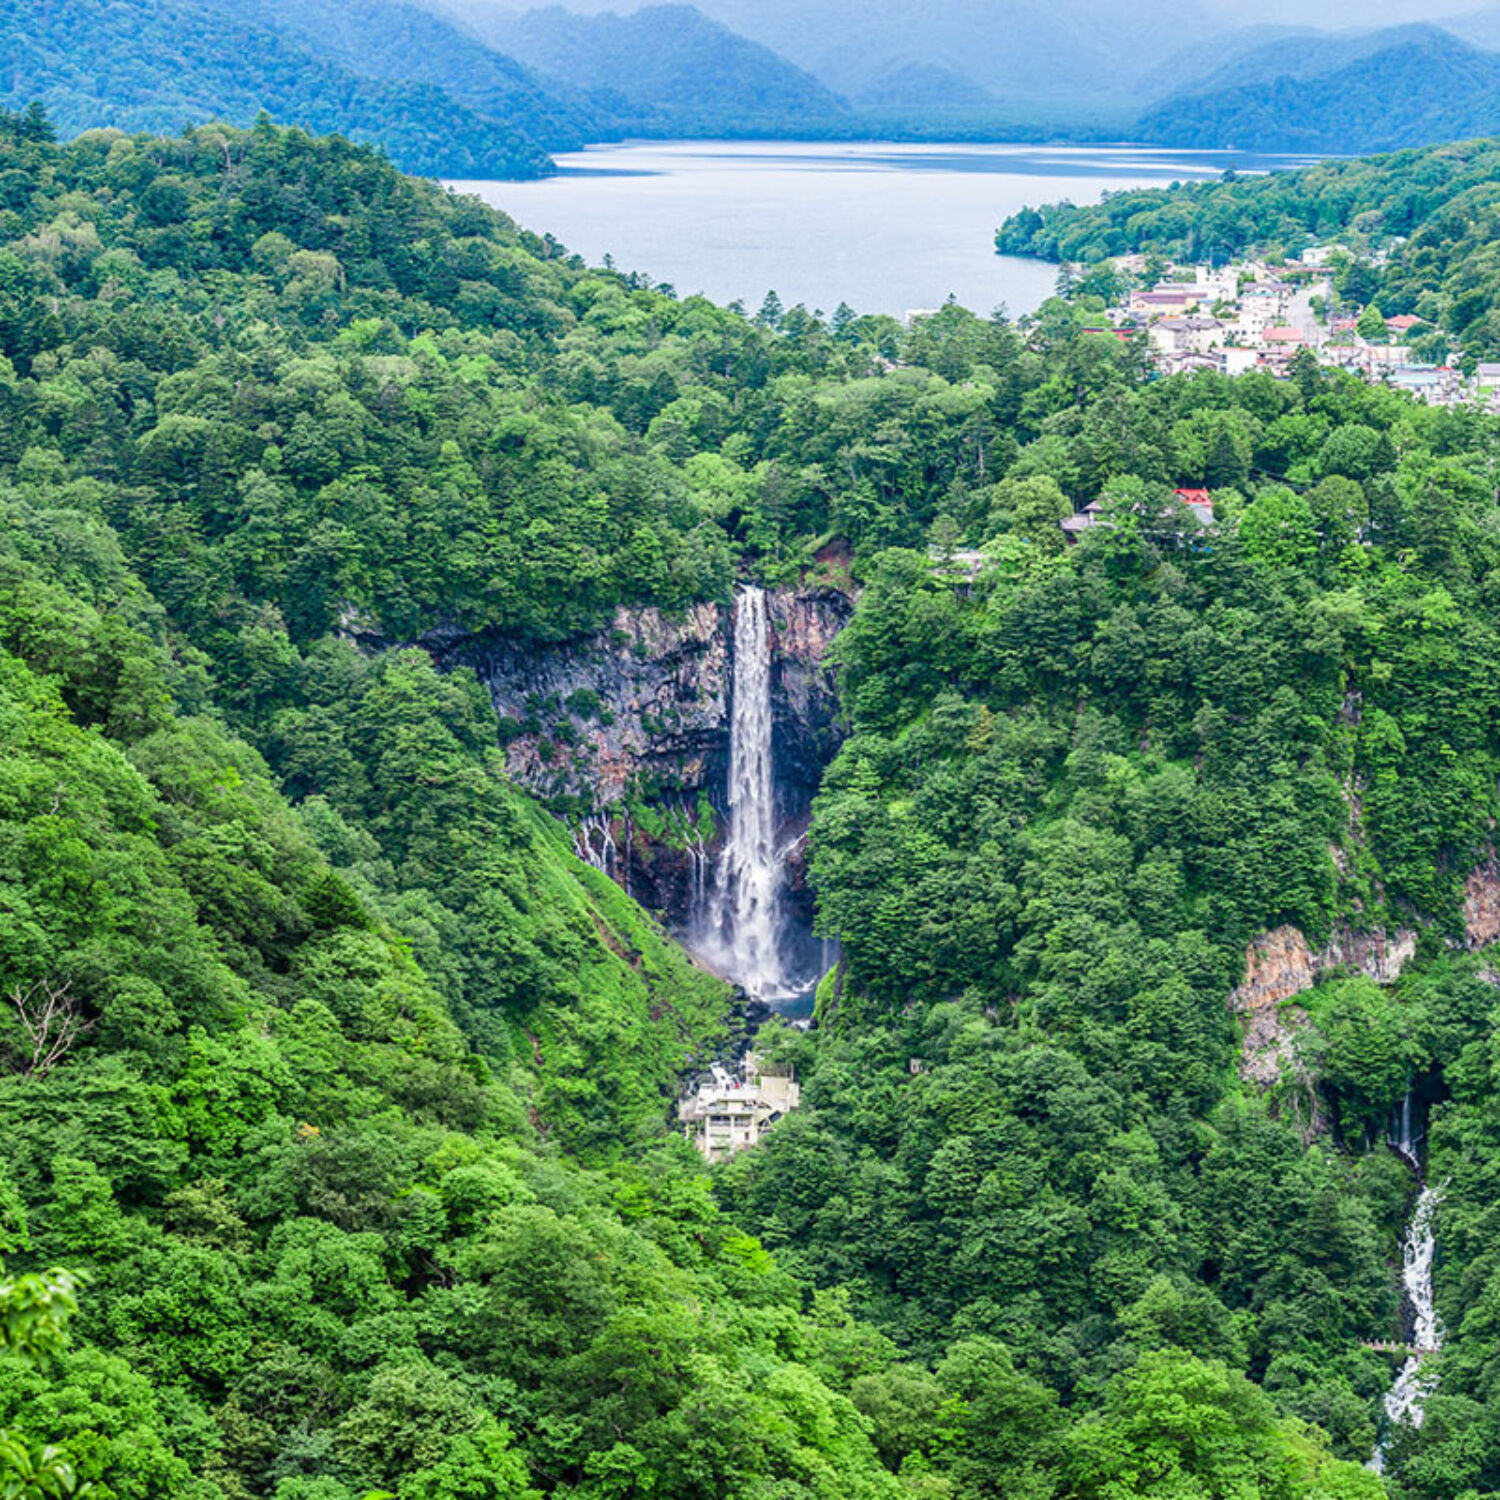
column 1199, row 503
column 1404, row 323
column 1283, row 337
column 1092, row 514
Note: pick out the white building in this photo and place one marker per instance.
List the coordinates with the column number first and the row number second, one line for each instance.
column 727, row 1114
column 1262, row 306
column 1197, row 334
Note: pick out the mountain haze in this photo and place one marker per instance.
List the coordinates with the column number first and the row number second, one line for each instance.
column 1080, row 51
column 395, row 42
column 1408, row 87
column 160, row 64
column 662, row 68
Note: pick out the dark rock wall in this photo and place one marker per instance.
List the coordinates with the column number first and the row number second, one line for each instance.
column 639, row 712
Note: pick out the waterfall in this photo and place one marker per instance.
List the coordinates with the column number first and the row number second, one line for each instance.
column 698, row 862
column 1401, row 1138
column 1403, row 1402
column 1412, row 1386
column 594, row 843
column 744, row 916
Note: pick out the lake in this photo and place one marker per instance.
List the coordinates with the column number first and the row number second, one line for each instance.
column 886, row 228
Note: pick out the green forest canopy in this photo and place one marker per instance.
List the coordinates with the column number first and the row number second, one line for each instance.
column 351, row 1100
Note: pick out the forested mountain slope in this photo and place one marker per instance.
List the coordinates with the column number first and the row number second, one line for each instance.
column 162, row 64
column 665, row 68
column 352, row 1092
column 405, row 44
column 1408, row 86
column 1434, row 209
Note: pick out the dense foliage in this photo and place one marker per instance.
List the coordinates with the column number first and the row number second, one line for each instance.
column 1071, row 796
column 346, row 1087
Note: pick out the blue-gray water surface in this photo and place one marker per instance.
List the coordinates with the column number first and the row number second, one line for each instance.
column 886, row 228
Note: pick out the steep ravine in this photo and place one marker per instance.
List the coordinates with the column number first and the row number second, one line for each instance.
column 627, row 731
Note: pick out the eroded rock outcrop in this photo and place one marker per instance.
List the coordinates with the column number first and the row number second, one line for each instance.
column 1279, row 966
column 1482, row 905
column 590, row 717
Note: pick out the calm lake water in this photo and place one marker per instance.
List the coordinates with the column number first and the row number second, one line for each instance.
column 886, row 228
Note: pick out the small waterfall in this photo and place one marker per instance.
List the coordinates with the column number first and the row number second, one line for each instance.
column 1401, row 1138
column 744, row 910
column 1412, row 1386
column 594, row 843
column 698, row 861
column 1403, row 1402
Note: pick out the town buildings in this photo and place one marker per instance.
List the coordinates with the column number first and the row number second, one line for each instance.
column 1253, row 316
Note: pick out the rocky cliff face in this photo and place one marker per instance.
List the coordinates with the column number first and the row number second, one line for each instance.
column 1482, row 905
column 642, row 702
column 1279, row 966
column 804, row 694
column 637, row 714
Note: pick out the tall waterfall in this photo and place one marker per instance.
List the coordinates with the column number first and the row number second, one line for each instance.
column 744, row 918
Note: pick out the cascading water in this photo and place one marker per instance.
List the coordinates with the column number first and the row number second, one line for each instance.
column 1403, row 1402
column 743, row 930
column 1415, row 1382
column 594, row 843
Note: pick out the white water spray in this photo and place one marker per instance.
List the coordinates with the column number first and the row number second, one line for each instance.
column 1416, row 1380
column 745, row 920
column 1404, row 1400
column 594, row 843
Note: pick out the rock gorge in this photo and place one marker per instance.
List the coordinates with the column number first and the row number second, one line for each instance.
column 626, row 730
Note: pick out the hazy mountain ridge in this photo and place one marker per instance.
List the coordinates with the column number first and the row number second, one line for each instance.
column 387, row 40
column 1078, row 50
column 662, row 68
column 1184, row 71
column 458, row 88
column 1410, row 86
column 1308, row 54
column 159, row 64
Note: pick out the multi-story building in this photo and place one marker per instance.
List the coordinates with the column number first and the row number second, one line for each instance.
column 729, row 1113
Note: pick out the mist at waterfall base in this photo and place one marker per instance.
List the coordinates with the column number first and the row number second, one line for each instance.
column 745, row 929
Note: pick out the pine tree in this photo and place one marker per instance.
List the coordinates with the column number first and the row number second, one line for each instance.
column 35, row 126
column 771, row 311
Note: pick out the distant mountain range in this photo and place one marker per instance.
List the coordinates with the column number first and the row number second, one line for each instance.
column 159, row 64
column 441, row 100
column 460, row 88
column 1379, row 91
column 664, row 69
column 1075, row 56
column 394, row 42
